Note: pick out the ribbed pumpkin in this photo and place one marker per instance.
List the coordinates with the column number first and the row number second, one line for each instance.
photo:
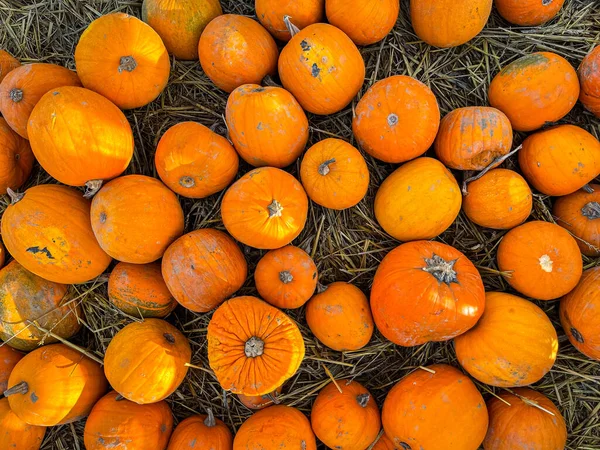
column 36, row 234
column 322, row 67
column 256, row 402
column 420, row 200
column 201, row 432
column 589, row 77
column 266, row 125
column 123, row 59
column 514, row 343
column 236, row 50
column 16, row 158
column 16, row 434
column 253, row 347
column 54, row 385
column 271, row 14
column 266, row 208
column 7, row 63
column 534, row 90
column 9, row 358
column 438, row 408
column 529, row 13
column 578, row 213
column 540, row 260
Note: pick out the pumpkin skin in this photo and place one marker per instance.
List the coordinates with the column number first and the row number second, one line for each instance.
column 322, row 68
column 256, row 402
column 9, row 358
column 266, row 125
column 534, row 90
column 450, row 411
column 266, row 208
column 14, row 433
column 384, row 443
column 7, row 63
column 236, row 50
column 578, row 213
column 201, row 432
column 303, row 13
column 123, row 59
column 194, row 161
column 16, row 158
column 542, row 260
column 424, row 194
column 589, row 77
column 259, row 353
column 528, row 13
column 497, row 357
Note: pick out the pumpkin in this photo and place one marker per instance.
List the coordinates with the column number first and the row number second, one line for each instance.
column 286, row 277
column 501, row 199
column 54, row 385
column 322, row 68
column 340, row 317
column 540, row 260
column 514, row 343
column 180, row 23
column 194, row 161
column 23, row 87
column 80, row 137
column 123, row 59
column 334, row 174
column 435, row 409
column 522, row 421
column 256, row 402
column 578, row 213
column 115, row 421
column 472, row 138
column 201, row 431
column 347, row 420
column 146, row 361
column 36, row 234
column 2, row 255
column 135, row 218
column 420, row 200
column 266, row 208
column 16, row 434
column 203, row 268
column 140, row 291
column 272, row 13
column 7, row 63
column 9, row 358
column 529, row 13
column 253, row 347
column 449, row 23
column 235, row 50
column 560, row 160
column 534, row 90
column 589, row 77
column 16, row 158
column 384, row 443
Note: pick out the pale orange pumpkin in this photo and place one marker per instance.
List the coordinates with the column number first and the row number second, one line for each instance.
column 529, row 13
column 9, row 358
column 578, row 213
column 589, row 77
column 271, row 14
column 7, row 63
column 201, row 432
column 15, row 433
column 16, row 158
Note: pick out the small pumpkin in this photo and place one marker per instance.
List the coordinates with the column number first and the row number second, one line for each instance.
column 16, row 158
column 589, row 77
column 540, row 260
column 7, row 63
column 123, row 59
column 578, row 213
column 271, row 14
column 340, row 317
column 253, row 347
column 256, row 402
column 9, row 358
column 267, row 208
column 529, row 13
column 201, row 431
column 145, row 361
column 15, row 433
column 514, row 343
column 420, row 200
column 236, row 50
column 534, row 90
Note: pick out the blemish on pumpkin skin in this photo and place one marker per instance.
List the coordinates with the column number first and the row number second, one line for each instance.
column 36, row 250
column 34, row 398
column 315, row 70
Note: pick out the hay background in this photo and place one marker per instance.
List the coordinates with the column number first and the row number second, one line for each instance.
column 346, row 245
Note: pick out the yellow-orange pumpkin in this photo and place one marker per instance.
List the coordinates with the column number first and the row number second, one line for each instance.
column 7, row 63
column 201, row 432
column 578, row 213
column 256, row 402
column 271, row 14
column 16, row 158
column 528, row 13
column 15, row 433
column 9, row 358
column 589, row 77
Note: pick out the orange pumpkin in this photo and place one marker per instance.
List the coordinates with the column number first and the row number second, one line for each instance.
column 534, row 90
column 256, row 402
column 194, row 161
column 80, row 137
column 203, row 268
column 123, row 59
column 589, row 77
column 501, row 199
column 426, row 291
column 7, row 63
column 514, row 343
column 199, row 432
column 2, row 255
column 384, row 443
column 140, row 291
column 438, row 408
column 36, row 234
column 323, row 68
column 115, row 421
column 578, row 213
column 266, row 208
column 540, row 260
column 235, row 50
column 271, row 14
column 16, row 434
column 16, row 158
column 135, row 218
column 253, row 347
column 529, row 13
column 420, row 200
column 9, row 358
column 54, row 385
column 560, row 160
column 340, row 317
column 145, row 361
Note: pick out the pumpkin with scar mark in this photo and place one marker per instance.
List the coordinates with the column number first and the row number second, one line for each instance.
column 589, row 77
column 16, row 158
column 15, row 433
column 7, row 63
column 201, row 432
column 579, row 214
column 529, row 13
column 271, row 14
column 9, row 358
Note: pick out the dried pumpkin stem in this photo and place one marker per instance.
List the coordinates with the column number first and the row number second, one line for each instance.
column 273, row 397
column 285, row 277
column 210, row 418
column 587, row 188
column 363, row 400
column 15, row 197
column 254, row 347
column 324, row 168
column 91, row 187
column 16, row 95
column 591, row 210
column 269, row 81
column 441, row 269
column 495, row 163
column 293, row 29
column 119, row 398
column 19, row 388
column 187, row 182
column 127, row 64
column 275, row 209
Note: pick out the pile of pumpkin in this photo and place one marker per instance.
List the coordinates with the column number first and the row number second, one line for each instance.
column 423, row 290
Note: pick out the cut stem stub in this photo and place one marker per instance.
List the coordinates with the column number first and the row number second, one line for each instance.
column 441, row 269
column 254, row 347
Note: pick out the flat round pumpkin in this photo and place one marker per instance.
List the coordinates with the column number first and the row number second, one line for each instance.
column 579, row 214
column 271, row 14
column 201, row 432
column 9, row 358
column 589, row 77
column 256, row 402
column 7, row 63
column 16, row 158
column 529, row 13
column 16, row 434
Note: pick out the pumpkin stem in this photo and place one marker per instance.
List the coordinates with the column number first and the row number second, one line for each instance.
column 15, row 197
column 187, row 182
column 91, row 187
column 119, row 398
column 495, row 163
column 587, row 188
column 285, row 277
column 269, row 81
column 293, row 29
column 210, row 418
column 441, row 269
column 127, row 63
column 363, row 400
column 16, row 95
column 275, row 209
column 19, row 388
column 273, row 397
column 324, row 168
column 591, row 211
column 577, row 335
column 169, row 338
column 254, row 347
column 392, row 119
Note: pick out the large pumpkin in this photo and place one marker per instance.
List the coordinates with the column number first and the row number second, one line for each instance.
column 589, row 77
column 578, row 213
column 201, row 432
column 253, row 347
column 514, row 343
column 123, row 59
column 534, row 90
column 529, row 13
column 266, row 125
column 15, row 433
column 36, row 234
column 9, row 358
column 16, row 158
column 420, row 200
column 7, row 63
column 266, row 208
column 322, row 67
column 272, row 13
column 145, row 362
